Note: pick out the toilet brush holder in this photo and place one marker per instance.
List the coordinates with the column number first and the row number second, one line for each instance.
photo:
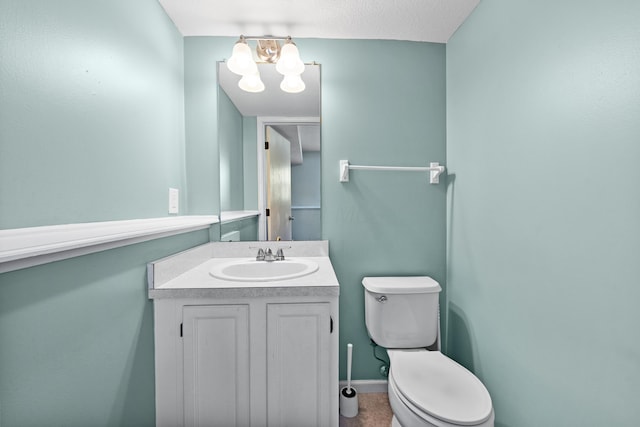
column 348, row 402
column 348, row 394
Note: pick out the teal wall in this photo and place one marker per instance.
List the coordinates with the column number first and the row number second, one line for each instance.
column 76, row 339
column 543, row 209
column 250, row 162
column 201, row 121
column 306, row 198
column 305, row 180
column 230, row 148
column 91, row 102
column 247, row 227
column 91, row 128
column 383, row 103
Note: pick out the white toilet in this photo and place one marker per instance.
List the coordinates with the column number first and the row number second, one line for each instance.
column 426, row 388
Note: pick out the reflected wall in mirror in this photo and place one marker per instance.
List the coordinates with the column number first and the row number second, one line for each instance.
column 273, row 193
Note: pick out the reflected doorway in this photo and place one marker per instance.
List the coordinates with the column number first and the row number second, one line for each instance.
column 278, row 185
column 289, row 175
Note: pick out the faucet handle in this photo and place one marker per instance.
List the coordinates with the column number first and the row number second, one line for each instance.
column 280, row 255
column 260, row 256
column 268, row 255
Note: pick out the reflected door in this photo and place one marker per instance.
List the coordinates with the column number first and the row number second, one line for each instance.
column 278, row 180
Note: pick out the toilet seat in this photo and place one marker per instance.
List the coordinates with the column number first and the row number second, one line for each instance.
column 438, row 386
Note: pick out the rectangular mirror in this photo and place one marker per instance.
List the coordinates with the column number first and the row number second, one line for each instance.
column 269, row 146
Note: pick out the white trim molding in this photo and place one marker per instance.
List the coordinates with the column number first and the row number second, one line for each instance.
column 27, row 247
column 230, row 216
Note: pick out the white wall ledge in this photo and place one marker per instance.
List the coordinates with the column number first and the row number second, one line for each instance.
column 230, row 216
column 27, row 247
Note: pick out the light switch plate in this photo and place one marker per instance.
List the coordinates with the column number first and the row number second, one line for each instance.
column 174, row 200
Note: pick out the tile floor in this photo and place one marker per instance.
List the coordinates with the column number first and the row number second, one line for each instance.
column 373, row 411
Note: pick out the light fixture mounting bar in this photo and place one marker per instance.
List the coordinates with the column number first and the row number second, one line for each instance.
column 265, row 37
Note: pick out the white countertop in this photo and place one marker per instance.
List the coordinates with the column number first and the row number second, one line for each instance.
column 192, row 277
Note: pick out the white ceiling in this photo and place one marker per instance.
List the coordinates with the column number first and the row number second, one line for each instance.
column 415, row 20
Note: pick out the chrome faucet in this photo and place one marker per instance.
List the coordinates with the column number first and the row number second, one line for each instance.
column 267, row 255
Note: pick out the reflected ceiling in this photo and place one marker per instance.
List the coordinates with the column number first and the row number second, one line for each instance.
column 273, row 101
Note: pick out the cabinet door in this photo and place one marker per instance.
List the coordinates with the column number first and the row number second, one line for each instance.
column 216, row 365
column 298, row 365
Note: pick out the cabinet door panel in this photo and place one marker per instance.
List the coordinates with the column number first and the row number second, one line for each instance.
column 298, row 365
column 216, row 365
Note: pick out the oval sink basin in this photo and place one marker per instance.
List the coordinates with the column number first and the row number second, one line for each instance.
column 264, row 271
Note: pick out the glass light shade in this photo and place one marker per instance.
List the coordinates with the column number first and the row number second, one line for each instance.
column 292, row 83
column 251, row 83
column 241, row 61
column 290, row 62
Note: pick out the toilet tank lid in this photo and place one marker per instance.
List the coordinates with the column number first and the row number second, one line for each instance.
column 401, row 285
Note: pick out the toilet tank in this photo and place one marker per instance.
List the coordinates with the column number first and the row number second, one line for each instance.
column 401, row 312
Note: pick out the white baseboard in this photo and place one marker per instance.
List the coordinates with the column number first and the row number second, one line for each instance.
column 367, row 386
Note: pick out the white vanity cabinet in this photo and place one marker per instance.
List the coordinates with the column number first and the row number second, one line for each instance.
column 269, row 360
column 259, row 352
column 216, row 367
column 299, row 359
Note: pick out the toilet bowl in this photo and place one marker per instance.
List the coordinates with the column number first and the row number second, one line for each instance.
column 426, row 388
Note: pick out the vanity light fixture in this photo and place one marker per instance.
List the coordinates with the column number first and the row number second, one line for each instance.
column 251, row 82
column 269, row 50
column 241, row 61
column 292, row 83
